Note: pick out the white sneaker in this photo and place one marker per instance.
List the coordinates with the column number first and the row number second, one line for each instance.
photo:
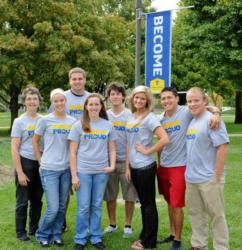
column 128, row 232
column 110, row 229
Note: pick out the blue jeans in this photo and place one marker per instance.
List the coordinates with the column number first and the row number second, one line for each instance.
column 56, row 185
column 89, row 207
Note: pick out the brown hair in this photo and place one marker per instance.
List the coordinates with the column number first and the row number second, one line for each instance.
column 77, row 70
column 86, row 118
column 30, row 90
column 116, row 87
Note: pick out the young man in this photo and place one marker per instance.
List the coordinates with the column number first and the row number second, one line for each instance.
column 206, row 154
column 171, row 181
column 118, row 114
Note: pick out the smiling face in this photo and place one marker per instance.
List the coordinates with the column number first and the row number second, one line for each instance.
column 116, row 98
column 140, row 101
column 169, row 101
column 58, row 102
column 77, row 82
column 196, row 103
column 32, row 102
column 93, row 107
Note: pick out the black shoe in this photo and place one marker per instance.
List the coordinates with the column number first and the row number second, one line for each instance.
column 166, row 240
column 79, row 247
column 44, row 243
column 58, row 243
column 23, row 237
column 176, row 245
column 99, row 246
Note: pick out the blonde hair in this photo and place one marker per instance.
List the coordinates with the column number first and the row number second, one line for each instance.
column 86, row 119
column 77, row 70
column 55, row 92
column 201, row 91
column 149, row 97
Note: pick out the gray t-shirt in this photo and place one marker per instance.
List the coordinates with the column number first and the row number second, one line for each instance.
column 75, row 104
column 119, row 123
column 201, row 148
column 141, row 133
column 174, row 153
column 23, row 128
column 56, row 148
column 92, row 154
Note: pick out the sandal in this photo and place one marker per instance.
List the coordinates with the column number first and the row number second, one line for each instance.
column 137, row 245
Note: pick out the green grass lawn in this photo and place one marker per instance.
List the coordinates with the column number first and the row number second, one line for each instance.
column 233, row 203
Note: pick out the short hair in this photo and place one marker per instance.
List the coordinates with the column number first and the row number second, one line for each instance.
column 30, row 90
column 77, row 70
column 197, row 89
column 147, row 92
column 170, row 89
column 55, row 92
column 115, row 87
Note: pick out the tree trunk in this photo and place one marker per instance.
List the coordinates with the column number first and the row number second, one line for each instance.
column 238, row 107
column 14, row 92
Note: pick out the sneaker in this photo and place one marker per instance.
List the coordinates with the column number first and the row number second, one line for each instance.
column 166, row 240
column 44, row 243
column 58, row 243
column 99, row 246
column 176, row 245
column 110, row 229
column 23, row 237
column 128, row 232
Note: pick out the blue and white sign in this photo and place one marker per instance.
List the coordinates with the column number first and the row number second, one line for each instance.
column 158, row 50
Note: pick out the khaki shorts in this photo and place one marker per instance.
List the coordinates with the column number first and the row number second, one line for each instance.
column 112, row 188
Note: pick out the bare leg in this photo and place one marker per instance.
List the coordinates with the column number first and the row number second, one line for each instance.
column 111, row 207
column 129, row 210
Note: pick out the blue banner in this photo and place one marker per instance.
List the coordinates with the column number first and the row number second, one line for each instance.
column 158, row 50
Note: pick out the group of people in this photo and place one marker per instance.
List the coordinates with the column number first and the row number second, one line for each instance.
column 81, row 144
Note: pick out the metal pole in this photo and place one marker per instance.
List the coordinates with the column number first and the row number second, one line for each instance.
column 138, row 42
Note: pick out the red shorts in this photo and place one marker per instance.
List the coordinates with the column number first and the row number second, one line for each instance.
column 172, row 185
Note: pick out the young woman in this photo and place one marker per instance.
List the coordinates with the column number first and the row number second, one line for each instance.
column 92, row 157
column 142, row 167
column 28, row 184
column 54, row 167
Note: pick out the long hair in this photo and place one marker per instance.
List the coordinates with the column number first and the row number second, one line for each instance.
column 86, row 119
column 149, row 105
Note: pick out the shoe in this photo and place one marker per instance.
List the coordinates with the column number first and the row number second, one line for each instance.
column 168, row 239
column 31, row 233
column 128, row 232
column 58, row 243
column 23, row 237
column 195, row 248
column 79, row 247
column 176, row 245
column 110, row 229
column 99, row 246
column 44, row 243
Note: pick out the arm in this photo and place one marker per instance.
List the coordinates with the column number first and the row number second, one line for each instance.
column 127, row 167
column 36, row 147
column 72, row 157
column 163, row 139
column 22, row 178
column 112, row 157
column 220, row 160
column 215, row 119
column 158, row 158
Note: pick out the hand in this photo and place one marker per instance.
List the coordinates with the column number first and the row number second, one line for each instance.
column 217, row 177
column 215, row 122
column 23, row 180
column 128, row 174
column 108, row 169
column 75, row 182
column 142, row 149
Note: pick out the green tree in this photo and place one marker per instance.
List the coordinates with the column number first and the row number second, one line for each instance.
column 207, row 49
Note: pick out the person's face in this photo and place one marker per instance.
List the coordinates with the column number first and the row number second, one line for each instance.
column 77, row 82
column 168, row 101
column 140, row 101
column 93, row 106
column 59, row 103
column 116, row 98
column 196, row 103
column 32, row 102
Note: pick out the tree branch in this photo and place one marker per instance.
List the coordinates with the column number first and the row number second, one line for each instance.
column 4, row 99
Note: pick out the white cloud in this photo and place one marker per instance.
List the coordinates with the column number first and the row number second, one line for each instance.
column 165, row 5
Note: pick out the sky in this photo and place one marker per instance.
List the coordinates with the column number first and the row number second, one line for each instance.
column 165, row 5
